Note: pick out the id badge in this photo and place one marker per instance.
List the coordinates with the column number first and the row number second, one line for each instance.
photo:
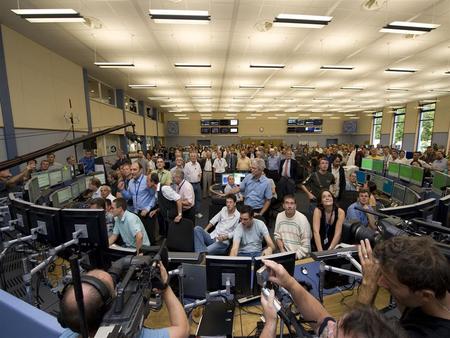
column 325, row 241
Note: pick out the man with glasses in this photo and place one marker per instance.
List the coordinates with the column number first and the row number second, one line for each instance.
column 164, row 175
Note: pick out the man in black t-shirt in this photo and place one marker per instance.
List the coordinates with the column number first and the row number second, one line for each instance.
column 417, row 275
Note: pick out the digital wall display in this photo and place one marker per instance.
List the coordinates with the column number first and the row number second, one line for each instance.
column 295, row 122
column 215, row 130
column 225, row 126
column 205, row 123
column 234, row 130
column 224, row 130
column 205, row 130
column 234, row 122
column 310, row 126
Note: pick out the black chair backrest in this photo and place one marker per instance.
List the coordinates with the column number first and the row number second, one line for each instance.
column 180, row 236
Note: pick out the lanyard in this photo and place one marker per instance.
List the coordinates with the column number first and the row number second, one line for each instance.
column 179, row 187
column 137, row 189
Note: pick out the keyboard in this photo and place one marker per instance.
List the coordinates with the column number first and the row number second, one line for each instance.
column 328, row 254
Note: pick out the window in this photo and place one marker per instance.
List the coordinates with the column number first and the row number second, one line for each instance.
column 131, row 104
column 399, row 127
column 376, row 128
column 426, row 124
column 100, row 91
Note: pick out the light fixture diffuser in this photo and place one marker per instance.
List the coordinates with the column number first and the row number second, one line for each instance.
column 50, row 15
column 267, row 65
column 250, row 87
column 199, row 86
column 336, row 67
column 352, row 88
column 192, row 65
column 405, row 27
column 401, row 70
column 138, row 86
column 170, row 16
column 301, row 21
column 397, row 89
column 303, row 87
column 114, row 64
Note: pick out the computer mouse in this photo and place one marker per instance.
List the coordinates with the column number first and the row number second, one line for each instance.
column 304, row 270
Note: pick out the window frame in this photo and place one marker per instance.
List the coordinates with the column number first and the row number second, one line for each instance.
column 423, row 109
column 397, row 113
column 376, row 116
column 100, row 96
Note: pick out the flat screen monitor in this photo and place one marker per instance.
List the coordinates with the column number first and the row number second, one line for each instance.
column 361, row 177
column 214, row 122
column 405, row 172
column 44, row 180
column 55, row 177
column 205, row 122
column 388, row 186
column 238, row 178
column 420, row 209
column 62, row 196
column 238, row 270
column 367, row 164
column 393, row 169
column 205, row 130
column 19, row 210
column 318, row 122
column 224, row 130
column 291, row 130
column 378, row 166
column 224, row 122
column 92, row 224
column 440, row 180
column 75, row 189
column 411, row 197
column 47, row 220
column 292, row 122
column 398, row 193
column 287, row 259
column 215, row 130
column 66, row 173
column 81, row 185
column 33, row 189
column 442, row 212
column 234, row 130
column 378, row 180
column 234, row 123
column 301, row 122
column 309, row 122
column 87, row 179
column 417, row 175
column 101, row 177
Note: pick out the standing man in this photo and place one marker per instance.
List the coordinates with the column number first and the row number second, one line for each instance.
column 219, row 167
column 273, row 165
column 52, row 164
column 292, row 229
column 186, row 192
column 128, row 226
column 193, row 174
column 88, row 162
column 217, row 242
column 231, row 159
column 121, row 159
column 140, row 194
column 163, row 174
column 248, row 236
column 206, row 165
column 179, row 164
column 288, row 166
column 338, row 172
column 243, row 163
column 143, row 161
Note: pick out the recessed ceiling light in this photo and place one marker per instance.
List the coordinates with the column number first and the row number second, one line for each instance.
column 401, row 70
column 272, row 118
column 397, row 89
column 201, row 97
column 51, row 15
column 192, row 65
column 267, row 65
column 137, row 86
column 250, row 117
column 354, row 117
column 439, row 90
column 280, row 114
column 230, row 114
column 336, row 67
column 405, row 27
column 322, row 99
column 114, row 64
column 352, row 88
column 183, row 118
column 200, row 86
column 156, row 98
column 303, row 115
column 335, row 117
column 168, row 105
column 256, row 114
column 250, row 87
column 242, row 97
column 303, row 87
column 179, row 16
column 180, row 115
column 301, row 21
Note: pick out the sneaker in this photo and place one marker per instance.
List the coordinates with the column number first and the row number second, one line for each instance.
column 199, row 215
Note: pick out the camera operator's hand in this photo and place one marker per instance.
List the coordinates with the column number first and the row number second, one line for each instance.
column 279, row 275
column 370, row 266
column 270, row 313
column 164, row 274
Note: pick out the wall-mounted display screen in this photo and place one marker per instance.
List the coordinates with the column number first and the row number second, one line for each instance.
column 215, row 130
column 205, row 130
column 234, row 130
column 224, row 122
column 234, row 122
column 306, row 123
column 292, row 122
column 306, row 129
column 214, row 122
column 205, row 123
column 224, row 130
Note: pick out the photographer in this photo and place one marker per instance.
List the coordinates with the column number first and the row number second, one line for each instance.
column 95, row 309
column 360, row 322
column 417, row 275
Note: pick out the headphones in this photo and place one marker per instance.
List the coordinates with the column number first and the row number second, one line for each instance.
column 102, row 289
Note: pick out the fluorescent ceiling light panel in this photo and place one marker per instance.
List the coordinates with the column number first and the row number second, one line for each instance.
column 75, row 19
column 401, row 70
column 267, row 65
column 256, row 114
column 183, row 118
column 397, row 89
column 301, row 21
column 137, row 86
column 250, row 117
column 250, row 87
column 336, row 67
column 335, row 117
column 404, row 27
column 439, row 90
column 156, row 98
column 273, row 118
column 280, row 114
column 50, row 15
column 179, row 16
column 303, row 87
column 180, row 115
column 192, row 65
column 44, row 11
column 114, row 64
column 242, row 97
column 322, row 99
column 352, row 88
column 191, row 86
column 201, row 97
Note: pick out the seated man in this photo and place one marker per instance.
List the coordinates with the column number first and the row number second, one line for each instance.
column 352, row 183
column 354, row 214
column 94, row 187
column 359, row 322
column 292, row 229
column 105, row 192
column 95, row 309
column 417, row 275
column 249, row 234
column 217, row 242
column 230, row 186
column 128, row 226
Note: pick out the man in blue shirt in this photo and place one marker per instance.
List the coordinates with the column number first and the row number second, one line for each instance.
column 273, row 165
column 88, row 162
column 256, row 188
column 128, row 226
column 356, row 215
column 95, row 309
column 142, row 197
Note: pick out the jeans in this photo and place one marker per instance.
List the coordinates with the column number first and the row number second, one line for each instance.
column 198, row 196
column 250, row 254
column 204, row 243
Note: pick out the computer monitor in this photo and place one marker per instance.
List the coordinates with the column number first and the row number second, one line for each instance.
column 81, row 185
column 440, row 180
column 378, row 180
column 287, row 259
column 398, row 193
column 19, row 210
column 47, row 219
column 417, row 175
column 411, row 197
column 393, row 169
column 388, row 186
column 367, row 164
column 422, row 209
column 101, row 177
column 55, row 177
column 405, row 172
column 378, row 166
column 75, row 189
column 43, row 178
column 361, row 177
column 442, row 212
column 33, row 189
column 238, row 178
column 62, row 196
column 91, row 222
column 67, row 173
column 238, row 270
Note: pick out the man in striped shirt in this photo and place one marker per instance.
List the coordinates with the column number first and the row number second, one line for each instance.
column 292, row 229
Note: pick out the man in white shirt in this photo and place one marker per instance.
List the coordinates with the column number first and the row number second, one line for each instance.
column 179, row 164
column 105, row 192
column 193, row 174
column 440, row 163
column 207, row 170
column 186, row 192
column 94, row 186
column 218, row 241
column 230, row 186
column 292, row 229
column 219, row 167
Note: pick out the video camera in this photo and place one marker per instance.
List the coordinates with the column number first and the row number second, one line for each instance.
column 136, row 277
